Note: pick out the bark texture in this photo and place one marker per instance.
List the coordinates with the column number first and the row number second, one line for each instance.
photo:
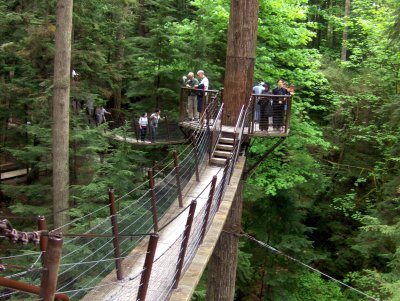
column 240, row 58
column 223, row 262
column 343, row 54
column 62, row 76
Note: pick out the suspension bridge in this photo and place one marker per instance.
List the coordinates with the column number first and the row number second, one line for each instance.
column 153, row 242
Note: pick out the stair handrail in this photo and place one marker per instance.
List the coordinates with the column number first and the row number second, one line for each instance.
column 213, row 128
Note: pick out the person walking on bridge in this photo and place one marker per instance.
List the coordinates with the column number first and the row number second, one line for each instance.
column 143, row 121
column 191, row 82
column 154, row 118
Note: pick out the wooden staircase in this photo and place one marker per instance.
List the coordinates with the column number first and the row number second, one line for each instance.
column 223, row 151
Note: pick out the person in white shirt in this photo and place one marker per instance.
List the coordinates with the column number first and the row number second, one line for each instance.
column 143, row 122
column 204, row 84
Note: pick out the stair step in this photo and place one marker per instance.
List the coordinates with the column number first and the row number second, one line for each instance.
column 224, row 154
column 224, row 147
column 218, row 161
column 226, row 140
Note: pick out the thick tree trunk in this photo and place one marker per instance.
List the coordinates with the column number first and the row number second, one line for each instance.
column 343, row 55
column 62, row 75
column 240, row 58
column 223, row 262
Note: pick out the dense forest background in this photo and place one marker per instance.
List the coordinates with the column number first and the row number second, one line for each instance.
column 329, row 196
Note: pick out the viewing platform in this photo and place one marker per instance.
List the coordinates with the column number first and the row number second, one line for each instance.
column 269, row 115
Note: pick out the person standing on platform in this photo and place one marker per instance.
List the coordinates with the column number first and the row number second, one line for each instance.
column 203, row 85
column 265, row 108
column 278, row 105
column 191, row 82
column 258, row 89
column 154, row 118
column 143, row 122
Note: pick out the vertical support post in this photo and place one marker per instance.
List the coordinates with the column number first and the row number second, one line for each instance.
column 178, row 179
column 196, row 158
column 42, row 226
column 211, row 144
column 49, row 279
column 182, row 110
column 168, row 131
column 223, row 183
column 185, row 241
column 288, row 113
column 148, row 265
column 153, row 200
column 114, row 224
column 208, row 208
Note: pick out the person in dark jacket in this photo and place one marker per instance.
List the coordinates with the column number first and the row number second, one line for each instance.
column 278, row 105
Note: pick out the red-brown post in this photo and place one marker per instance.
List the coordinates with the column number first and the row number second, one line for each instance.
column 178, row 179
column 115, row 232
column 185, row 241
column 196, row 158
column 288, row 113
column 153, row 200
column 49, row 279
column 208, row 208
column 42, row 226
column 148, row 265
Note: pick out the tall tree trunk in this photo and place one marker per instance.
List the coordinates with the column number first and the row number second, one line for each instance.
column 329, row 33
column 343, row 55
column 223, row 262
column 62, row 76
column 240, row 57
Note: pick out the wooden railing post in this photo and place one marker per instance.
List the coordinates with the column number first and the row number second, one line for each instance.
column 42, row 226
column 223, row 181
column 196, row 158
column 148, row 265
column 153, row 200
column 178, row 179
column 51, row 266
column 115, row 232
column 185, row 241
column 288, row 113
column 208, row 208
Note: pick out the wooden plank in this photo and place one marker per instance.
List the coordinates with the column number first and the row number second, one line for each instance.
column 13, row 174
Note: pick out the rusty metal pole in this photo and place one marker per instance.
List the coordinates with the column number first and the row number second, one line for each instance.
column 28, row 288
column 196, row 158
column 115, row 232
column 42, row 226
column 148, row 264
column 226, row 168
column 208, row 208
column 185, row 241
column 178, row 179
column 153, row 200
column 49, row 279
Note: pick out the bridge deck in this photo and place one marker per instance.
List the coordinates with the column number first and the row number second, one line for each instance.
column 112, row 289
column 192, row 276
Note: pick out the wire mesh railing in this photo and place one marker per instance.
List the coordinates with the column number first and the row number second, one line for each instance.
column 89, row 252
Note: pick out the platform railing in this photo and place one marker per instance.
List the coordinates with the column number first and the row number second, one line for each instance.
column 207, row 97
column 270, row 114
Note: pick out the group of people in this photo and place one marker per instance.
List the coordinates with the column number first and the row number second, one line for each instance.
column 145, row 121
column 273, row 106
column 196, row 94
